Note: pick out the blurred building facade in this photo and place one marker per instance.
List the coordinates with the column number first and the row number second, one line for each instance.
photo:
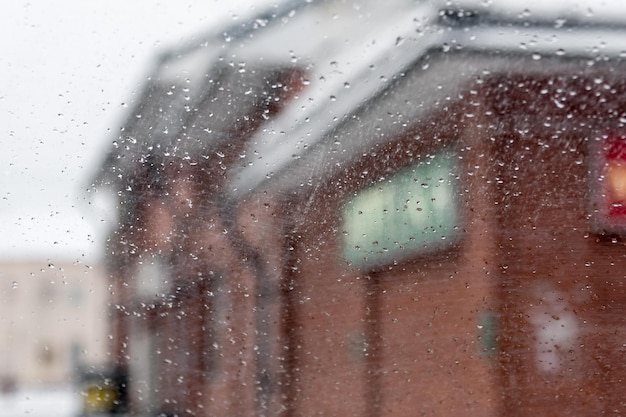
column 53, row 321
column 377, row 211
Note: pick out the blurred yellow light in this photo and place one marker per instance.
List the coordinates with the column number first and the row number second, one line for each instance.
column 99, row 398
column 616, row 180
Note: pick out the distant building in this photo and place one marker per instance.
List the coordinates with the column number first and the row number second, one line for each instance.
column 53, row 321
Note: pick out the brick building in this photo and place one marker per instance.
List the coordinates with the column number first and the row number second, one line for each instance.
column 375, row 213
column 54, row 321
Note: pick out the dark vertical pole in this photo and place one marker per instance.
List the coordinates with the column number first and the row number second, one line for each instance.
column 265, row 294
column 290, row 325
column 373, row 345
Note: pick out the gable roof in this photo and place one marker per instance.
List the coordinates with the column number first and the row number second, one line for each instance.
column 306, row 142
column 181, row 79
column 352, row 57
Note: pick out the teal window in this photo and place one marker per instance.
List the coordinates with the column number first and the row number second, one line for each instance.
column 415, row 211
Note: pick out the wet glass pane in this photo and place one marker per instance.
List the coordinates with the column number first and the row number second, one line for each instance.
column 313, row 207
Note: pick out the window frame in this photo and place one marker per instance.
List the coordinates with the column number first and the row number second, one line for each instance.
column 409, row 248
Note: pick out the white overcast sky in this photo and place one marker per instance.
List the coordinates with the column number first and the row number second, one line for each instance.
column 66, row 67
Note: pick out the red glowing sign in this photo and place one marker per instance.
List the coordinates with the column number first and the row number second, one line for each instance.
column 615, row 176
column 612, row 175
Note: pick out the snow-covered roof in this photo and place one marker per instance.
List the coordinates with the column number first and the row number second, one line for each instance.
column 553, row 12
column 291, row 148
column 180, row 81
column 352, row 52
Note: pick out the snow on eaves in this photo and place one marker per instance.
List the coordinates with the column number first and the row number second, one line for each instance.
column 289, row 143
